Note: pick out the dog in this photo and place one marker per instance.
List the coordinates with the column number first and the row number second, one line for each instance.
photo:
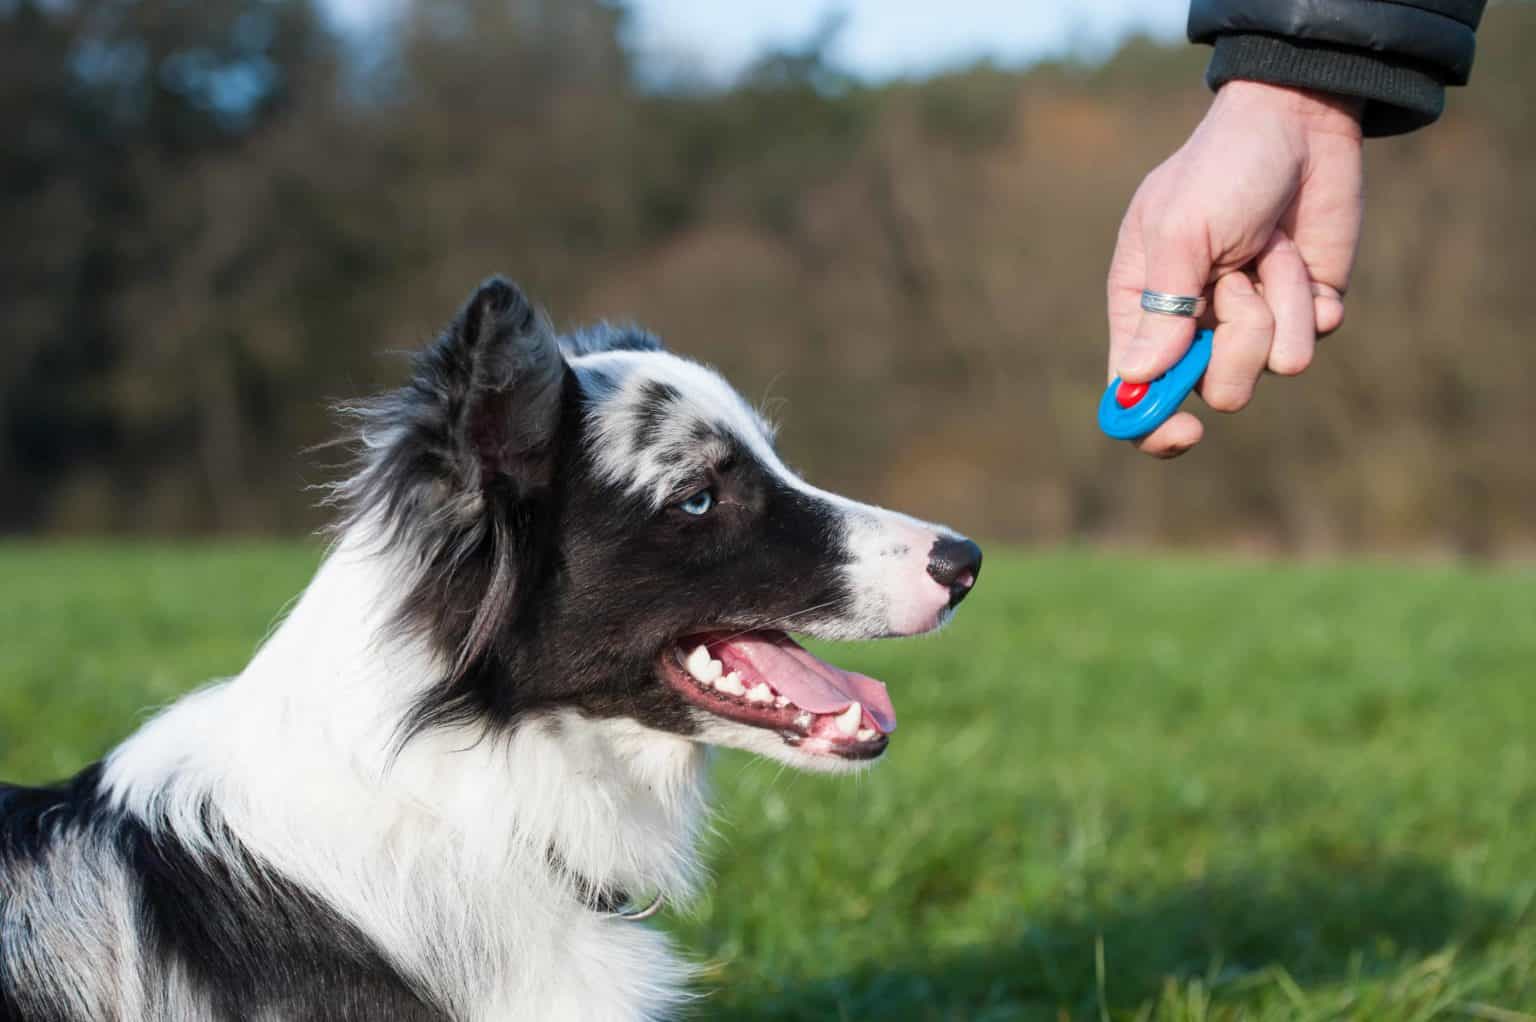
column 446, row 783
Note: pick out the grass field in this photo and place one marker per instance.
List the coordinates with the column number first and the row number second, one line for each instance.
column 1122, row 788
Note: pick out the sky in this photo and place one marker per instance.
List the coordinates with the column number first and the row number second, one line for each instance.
column 881, row 39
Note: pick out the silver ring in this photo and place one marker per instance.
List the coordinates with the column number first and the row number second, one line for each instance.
column 1165, row 304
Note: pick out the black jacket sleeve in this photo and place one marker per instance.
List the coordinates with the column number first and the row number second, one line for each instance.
column 1397, row 55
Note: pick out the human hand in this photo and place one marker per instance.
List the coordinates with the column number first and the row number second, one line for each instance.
column 1269, row 186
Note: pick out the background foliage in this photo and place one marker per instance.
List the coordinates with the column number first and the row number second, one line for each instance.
column 217, row 215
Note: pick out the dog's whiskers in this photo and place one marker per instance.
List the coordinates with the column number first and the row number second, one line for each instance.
column 779, row 620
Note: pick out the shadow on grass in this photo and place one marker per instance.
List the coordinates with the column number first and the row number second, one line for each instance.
column 1316, row 925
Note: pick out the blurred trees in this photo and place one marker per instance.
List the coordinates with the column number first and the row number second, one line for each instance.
column 119, row 118
column 217, row 215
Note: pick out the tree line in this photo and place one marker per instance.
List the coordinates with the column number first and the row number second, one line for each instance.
column 220, row 217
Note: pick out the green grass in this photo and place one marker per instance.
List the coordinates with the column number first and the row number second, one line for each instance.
column 1125, row 788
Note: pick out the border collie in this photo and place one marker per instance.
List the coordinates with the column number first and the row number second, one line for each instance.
column 564, row 566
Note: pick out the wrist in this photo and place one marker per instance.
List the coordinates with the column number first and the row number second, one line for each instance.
column 1319, row 111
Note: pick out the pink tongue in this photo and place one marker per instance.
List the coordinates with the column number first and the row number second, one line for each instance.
column 808, row 682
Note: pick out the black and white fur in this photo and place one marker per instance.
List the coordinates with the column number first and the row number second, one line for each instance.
column 423, row 797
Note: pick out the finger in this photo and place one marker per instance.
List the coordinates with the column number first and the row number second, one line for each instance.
column 1240, row 349
column 1328, row 308
column 1173, row 437
column 1288, row 290
column 1177, row 262
column 1127, row 271
column 1325, row 220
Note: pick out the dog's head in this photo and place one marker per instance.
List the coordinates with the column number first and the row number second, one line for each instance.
column 593, row 523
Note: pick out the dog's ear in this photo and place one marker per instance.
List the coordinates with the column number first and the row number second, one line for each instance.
column 455, row 463
column 505, row 376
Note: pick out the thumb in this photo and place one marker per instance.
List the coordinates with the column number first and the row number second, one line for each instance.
column 1178, row 262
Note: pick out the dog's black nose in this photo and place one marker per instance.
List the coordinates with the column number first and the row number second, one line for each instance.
column 954, row 564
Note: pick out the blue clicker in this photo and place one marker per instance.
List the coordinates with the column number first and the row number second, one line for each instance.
column 1142, row 415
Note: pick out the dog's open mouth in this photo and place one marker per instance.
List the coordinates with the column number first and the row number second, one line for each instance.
column 768, row 680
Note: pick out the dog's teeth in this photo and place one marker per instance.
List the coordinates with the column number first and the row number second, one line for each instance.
column 702, row 666
column 803, row 721
column 849, row 720
column 865, row 734
column 759, row 693
column 730, row 684
column 780, row 702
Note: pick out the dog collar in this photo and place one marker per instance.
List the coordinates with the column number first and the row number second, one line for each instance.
column 607, row 903
column 636, row 915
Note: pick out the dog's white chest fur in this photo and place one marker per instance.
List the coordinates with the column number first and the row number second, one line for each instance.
column 462, row 856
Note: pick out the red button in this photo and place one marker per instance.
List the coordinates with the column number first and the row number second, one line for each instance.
column 1128, row 394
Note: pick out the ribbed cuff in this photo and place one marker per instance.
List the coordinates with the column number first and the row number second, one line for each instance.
column 1399, row 98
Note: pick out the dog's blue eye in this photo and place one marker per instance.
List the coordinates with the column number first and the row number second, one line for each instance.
column 699, row 503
